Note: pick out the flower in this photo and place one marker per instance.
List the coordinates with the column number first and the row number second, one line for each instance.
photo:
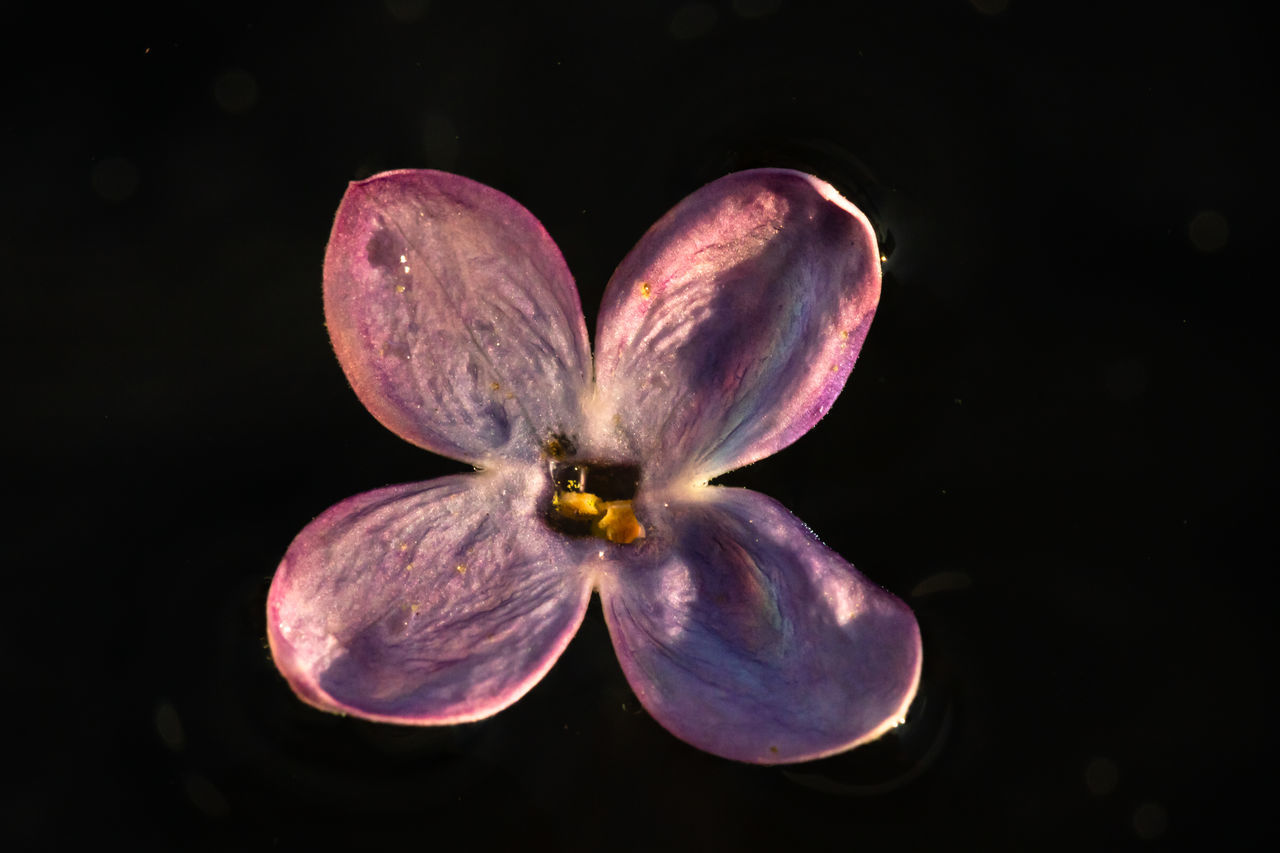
column 724, row 336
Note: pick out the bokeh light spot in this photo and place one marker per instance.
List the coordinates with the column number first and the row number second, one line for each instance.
column 1208, row 231
column 1101, row 776
column 407, row 11
column 169, row 726
column 205, row 796
column 1150, row 821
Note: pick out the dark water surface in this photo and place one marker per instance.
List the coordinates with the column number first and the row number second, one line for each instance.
column 1056, row 445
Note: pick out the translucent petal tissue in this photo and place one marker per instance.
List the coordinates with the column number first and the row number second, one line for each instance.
column 724, row 336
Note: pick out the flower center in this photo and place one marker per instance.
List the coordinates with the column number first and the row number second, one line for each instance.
column 595, row 499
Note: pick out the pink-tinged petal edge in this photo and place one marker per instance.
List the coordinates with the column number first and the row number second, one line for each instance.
column 730, row 328
column 455, row 317
column 428, row 603
column 750, row 639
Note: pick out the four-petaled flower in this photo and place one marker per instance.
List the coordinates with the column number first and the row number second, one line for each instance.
column 725, row 335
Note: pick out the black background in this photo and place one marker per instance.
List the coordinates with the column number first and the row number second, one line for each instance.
column 1055, row 444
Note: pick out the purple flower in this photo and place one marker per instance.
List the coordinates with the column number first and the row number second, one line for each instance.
column 724, row 336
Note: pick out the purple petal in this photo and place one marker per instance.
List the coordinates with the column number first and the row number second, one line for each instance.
column 731, row 327
column 750, row 639
column 429, row 603
column 454, row 316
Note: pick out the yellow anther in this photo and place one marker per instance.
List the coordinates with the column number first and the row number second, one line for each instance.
column 612, row 520
column 579, row 506
column 619, row 523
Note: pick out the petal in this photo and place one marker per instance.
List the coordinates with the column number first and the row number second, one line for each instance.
column 750, row 639
column 454, row 316
column 731, row 327
column 429, row 603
